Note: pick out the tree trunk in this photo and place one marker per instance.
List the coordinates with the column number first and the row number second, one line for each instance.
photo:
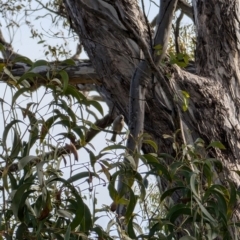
column 214, row 91
column 115, row 53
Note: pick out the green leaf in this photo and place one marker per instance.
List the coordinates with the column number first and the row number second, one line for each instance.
column 72, row 91
column 178, row 211
column 31, row 76
column 23, row 60
column 39, row 63
column 169, row 192
column 193, row 184
column 19, row 93
column 22, row 204
column 152, row 143
column 101, row 234
column 67, row 234
column 221, row 200
column 68, row 110
column 130, row 230
column 24, row 161
column 64, row 213
column 139, row 179
column 113, row 192
column 81, row 175
column 187, row 238
column 21, row 231
column 184, row 108
column 131, row 205
column 46, row 126
column 6, row 130
column 158, row 47
column 185, row 101
column 145, row 182
column 83, row 217
column 208, row 173
column 40, row 42
column 106, row 172
column 65, row 79
column 96, row 105
column 110, row 224
column 5, row 178
column 69, row 62
column 137, row 227
column 83, row 214
column 18, row 197
column 216, row 144
column 155, row 228
column 2, row 47
column 16, row 146
column 185, row 94
column 166, row 156
column 113, row 147
column 233, row 198
column 216, row 163
column 34, row 132
column 13, row 181
column 150, row 159
column 131, row 161
column 205, row 212
column 79, row 132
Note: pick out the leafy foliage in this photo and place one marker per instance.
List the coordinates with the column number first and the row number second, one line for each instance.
column 39, row 203
column 205, row 208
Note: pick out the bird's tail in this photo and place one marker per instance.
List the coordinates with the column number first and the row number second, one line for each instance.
column 114, row 136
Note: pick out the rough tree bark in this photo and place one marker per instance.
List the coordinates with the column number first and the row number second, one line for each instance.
column 116, row 48
column 115, row 53
column 119, row 43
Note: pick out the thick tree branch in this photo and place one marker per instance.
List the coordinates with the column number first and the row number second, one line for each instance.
column 176, row 32
column 91, row 133
column 138, row 88
column 7, row 52
column 129, row 25
column 78, row 52
column 186, row 8
column 81, row 73
column 183, row 6
column 164, row 23
column 113, row 24
column 147, row 23
column 137, row 104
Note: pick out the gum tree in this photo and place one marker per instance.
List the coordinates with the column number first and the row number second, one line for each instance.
column 130, row 68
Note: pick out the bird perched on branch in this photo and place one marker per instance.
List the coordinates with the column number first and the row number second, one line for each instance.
column 117, row 127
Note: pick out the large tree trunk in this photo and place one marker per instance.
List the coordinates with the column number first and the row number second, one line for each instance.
column 115, row 53
column 213, row 111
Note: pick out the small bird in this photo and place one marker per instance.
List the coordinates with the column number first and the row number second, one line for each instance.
column 117, row 127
